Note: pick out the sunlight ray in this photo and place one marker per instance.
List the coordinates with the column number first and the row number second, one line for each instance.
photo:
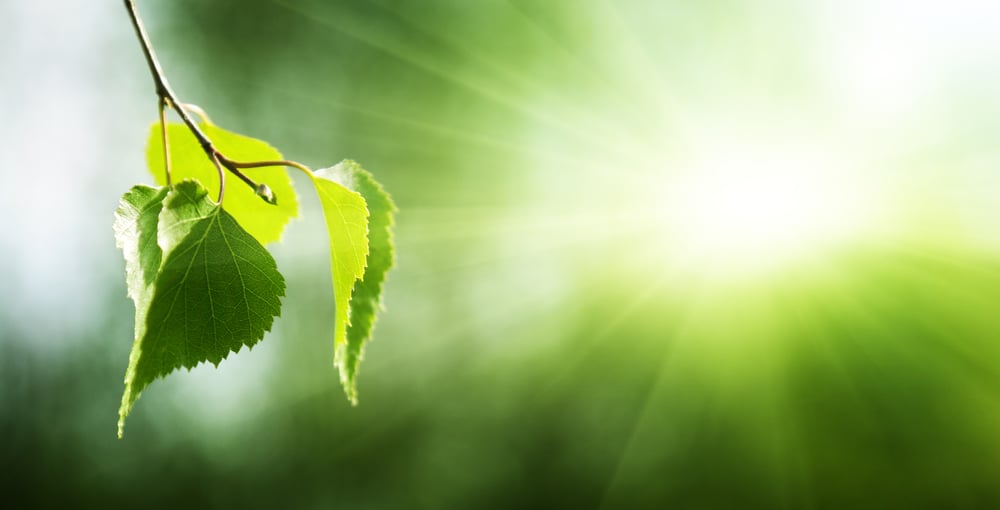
column 450, row 133
column 429, row 64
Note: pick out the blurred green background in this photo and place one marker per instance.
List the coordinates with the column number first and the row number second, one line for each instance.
column 550, row 341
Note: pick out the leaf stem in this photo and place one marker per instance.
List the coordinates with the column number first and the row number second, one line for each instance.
column 169, row 98
column 197, row 110
column 222, row 176
column 261, row 164
column 166, row 142
column 262, row 190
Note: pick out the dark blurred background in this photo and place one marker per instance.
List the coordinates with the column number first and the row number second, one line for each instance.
column 544, row 346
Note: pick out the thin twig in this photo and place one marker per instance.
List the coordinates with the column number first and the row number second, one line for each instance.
column 159, row 79
column 168, row 97
column 226, row 162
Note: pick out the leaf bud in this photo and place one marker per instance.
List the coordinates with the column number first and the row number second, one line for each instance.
column 264, row 191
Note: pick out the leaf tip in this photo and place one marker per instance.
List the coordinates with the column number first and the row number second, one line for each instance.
column 351, row 390
column 123, row 411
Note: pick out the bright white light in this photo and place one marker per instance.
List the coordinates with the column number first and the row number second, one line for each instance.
column 749, row 212
column 763, row 204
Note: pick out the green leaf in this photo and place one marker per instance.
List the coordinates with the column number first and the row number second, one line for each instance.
column 366, row 300
column 347, row 223
column 135, row 234
column 217, row 289
column 188, row 161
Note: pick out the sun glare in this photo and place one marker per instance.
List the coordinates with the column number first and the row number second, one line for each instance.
column 763, row 206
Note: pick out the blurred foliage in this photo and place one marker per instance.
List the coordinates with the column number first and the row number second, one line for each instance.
column 540, row 349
